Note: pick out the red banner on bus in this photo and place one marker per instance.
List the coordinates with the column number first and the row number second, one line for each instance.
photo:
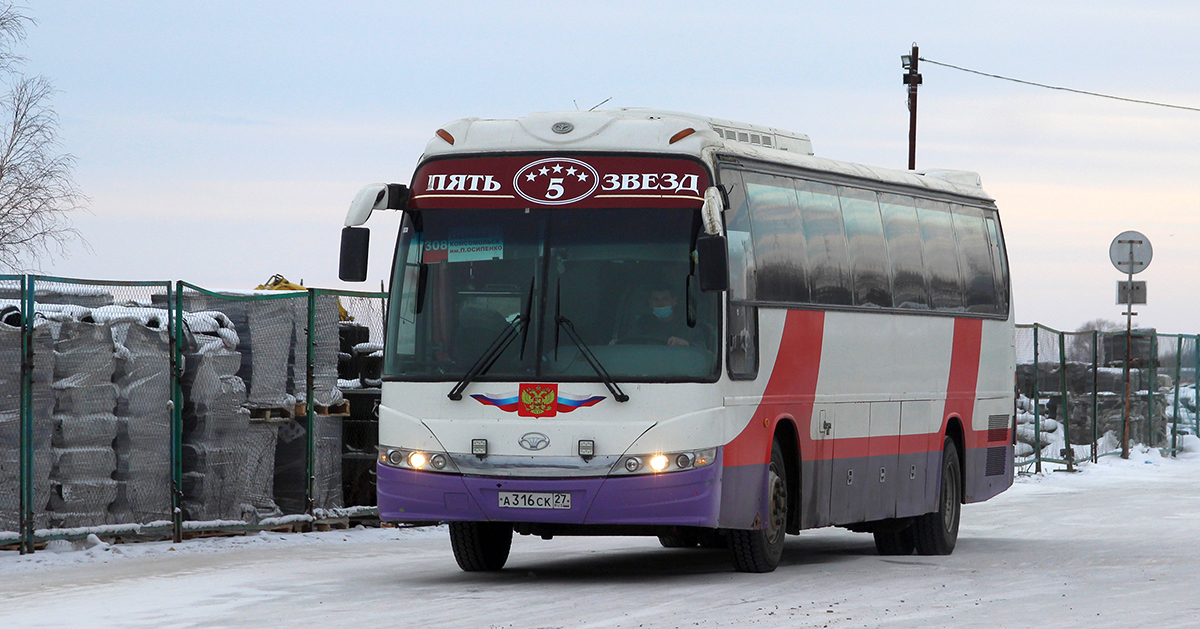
column 578, row 181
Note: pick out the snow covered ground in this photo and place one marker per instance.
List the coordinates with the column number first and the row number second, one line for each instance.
column 1113, row 546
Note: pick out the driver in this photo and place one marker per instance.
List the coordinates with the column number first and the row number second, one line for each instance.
column 665, row 323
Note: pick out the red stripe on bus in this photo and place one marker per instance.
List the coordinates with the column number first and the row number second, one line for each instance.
column 794, row 374
column 964, row 373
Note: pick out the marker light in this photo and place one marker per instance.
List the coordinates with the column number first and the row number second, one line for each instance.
column 659, row 462
column 445, row 135
column 681, row 135
column 417, row 460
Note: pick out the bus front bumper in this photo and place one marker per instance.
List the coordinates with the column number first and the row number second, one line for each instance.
column 689, row 498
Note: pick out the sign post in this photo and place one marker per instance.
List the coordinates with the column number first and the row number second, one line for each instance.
column 1130, row 252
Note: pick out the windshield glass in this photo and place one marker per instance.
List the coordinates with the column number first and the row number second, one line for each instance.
column 619, row 277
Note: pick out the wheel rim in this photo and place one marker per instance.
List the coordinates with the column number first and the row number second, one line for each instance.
column 778, row 504
column 950, row 498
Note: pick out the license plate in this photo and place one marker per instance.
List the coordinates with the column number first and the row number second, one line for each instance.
column 533, row 500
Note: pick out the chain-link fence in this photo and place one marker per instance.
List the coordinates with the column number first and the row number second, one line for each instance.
column 145, row 409
column 1071, row 393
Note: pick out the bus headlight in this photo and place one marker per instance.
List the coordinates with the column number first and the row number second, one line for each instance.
column 662, row 462
column 421, row 460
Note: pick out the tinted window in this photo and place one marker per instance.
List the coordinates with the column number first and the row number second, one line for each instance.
column 742, row 269
column 999, row 260
column 742, row 354
column 828, row 264
column 867, row 247
column 941, row 255
column 903, row 235
column 779, row 243
column 975, row 260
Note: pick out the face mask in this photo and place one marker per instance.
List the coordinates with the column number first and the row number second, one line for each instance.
column 662, row 312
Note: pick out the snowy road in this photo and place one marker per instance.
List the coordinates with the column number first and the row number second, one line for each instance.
column 1115, row 546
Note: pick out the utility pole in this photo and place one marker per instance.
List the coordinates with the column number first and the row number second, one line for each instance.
column 912, row 79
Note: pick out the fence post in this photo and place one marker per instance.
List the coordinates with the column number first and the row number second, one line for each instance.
column 1095, row 401
column 175, row 308
column 1151, row 388
column 1064, row 409
column 1175, row 411
column 25, row 476
column 1037, row 413
column 310, row 406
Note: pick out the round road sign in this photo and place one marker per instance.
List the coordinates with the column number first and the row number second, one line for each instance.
column 1130, row 252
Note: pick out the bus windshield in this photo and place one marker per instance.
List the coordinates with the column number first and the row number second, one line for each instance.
column 620, row 278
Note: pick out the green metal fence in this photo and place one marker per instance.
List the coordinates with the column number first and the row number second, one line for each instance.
column 150, row 409
column 1071, row 393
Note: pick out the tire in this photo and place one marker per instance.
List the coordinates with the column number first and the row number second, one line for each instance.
column 759, row 550
column 677, row 541
column 481, row 546
column 936, row 533
column 895, row 541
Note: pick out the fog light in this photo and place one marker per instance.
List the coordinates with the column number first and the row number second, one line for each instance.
column 417, row 460
column 479, row 447
column 659, row 463
column 438, row 461
column 395, row 458
column 632, row 464
column 587, row 448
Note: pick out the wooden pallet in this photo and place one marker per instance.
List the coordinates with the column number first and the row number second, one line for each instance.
column 341, row 409
column 271, row 413
column 336, row 524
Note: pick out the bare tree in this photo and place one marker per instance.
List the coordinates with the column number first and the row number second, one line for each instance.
column 37, row 190
column 1080, row 344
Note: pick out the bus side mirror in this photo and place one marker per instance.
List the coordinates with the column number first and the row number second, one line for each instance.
column 352, row 267
column 712, row 263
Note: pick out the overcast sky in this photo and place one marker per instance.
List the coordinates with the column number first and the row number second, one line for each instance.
column 221, row 142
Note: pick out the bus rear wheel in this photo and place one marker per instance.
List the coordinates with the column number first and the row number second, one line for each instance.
column 936, row 533
column 759, row 550
column 481, row 546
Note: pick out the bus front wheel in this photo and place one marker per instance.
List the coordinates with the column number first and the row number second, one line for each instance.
column 481, row 546
column 759, row 550
column 936, row 533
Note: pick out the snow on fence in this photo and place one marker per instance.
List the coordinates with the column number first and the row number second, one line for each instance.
column 151, row 408
column 1071, row 393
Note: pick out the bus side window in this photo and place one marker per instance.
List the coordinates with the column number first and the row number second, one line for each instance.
column 742, row 355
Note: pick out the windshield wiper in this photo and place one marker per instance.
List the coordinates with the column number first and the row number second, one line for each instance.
column 613, row 388
column 501, row 343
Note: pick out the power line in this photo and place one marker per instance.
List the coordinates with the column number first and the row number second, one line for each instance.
column 1064, row 89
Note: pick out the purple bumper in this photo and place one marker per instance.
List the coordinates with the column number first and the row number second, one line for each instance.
column 689, row 498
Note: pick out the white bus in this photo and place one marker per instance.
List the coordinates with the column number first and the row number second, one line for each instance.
column 640, row 322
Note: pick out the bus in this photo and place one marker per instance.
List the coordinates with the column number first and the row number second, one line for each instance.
column 644, row 322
